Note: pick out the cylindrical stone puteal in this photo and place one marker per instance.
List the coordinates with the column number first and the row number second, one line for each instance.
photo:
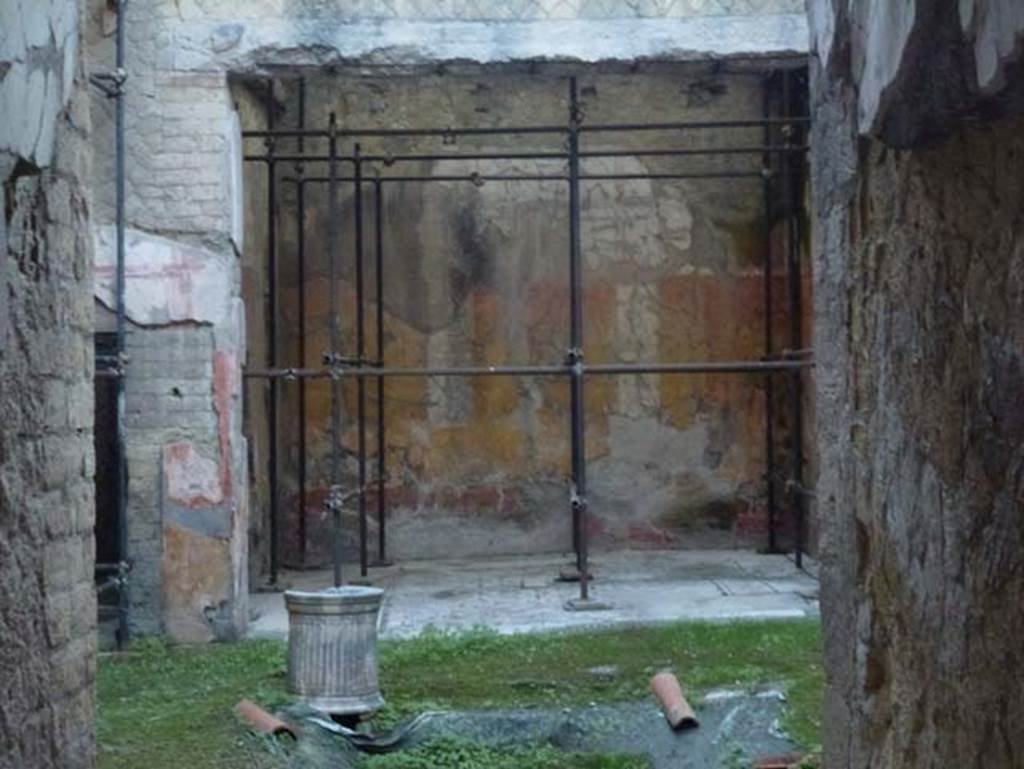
column 332, row 648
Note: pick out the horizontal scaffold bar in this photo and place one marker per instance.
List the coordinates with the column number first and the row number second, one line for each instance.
column 532, row 129
column 565, row 369
column 484, row 178
column 389, row 159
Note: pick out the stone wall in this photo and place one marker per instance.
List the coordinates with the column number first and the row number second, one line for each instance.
column 920, row 321
column 186, row 453
column 48, row 622
column 243, row 35
column 478, row 276
column 251, row 100
column 185, row 218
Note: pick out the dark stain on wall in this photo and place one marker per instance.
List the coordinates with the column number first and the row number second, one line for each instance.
column 472, row 263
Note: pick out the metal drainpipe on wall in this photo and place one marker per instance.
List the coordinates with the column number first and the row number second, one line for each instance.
column 111, row 84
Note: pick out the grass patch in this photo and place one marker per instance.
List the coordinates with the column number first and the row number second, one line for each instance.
column 481, row 669
column 162, row 707
column 467, row 755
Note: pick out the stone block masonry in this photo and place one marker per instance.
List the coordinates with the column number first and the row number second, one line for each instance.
column 47, row 598
column 185, row 464
column 234, row 34
column 184, row 210
column 920, row 284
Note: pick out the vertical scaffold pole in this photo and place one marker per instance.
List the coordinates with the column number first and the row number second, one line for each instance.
column 357, row 191
column 378, row 224
column 121, row 463
column 334, row 500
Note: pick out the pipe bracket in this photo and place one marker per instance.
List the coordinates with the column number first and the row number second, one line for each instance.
column 333, row 503
column 110, row 83
column 576, row 500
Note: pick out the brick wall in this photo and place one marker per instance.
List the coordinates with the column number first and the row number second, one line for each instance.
column 47, row 599
column 184, row 316
column 184, row 206
column 169, row 381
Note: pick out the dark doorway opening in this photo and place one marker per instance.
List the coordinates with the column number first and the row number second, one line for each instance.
column 105, row 444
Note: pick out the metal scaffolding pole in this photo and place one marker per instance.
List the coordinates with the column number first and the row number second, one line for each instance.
column 449, row 132
column 334, row 500
column 113, row 365
column 574, row 359
column 348, row 370
column 481, row 179
column 573, row 354
column 795, row 312
column 357, row 196
column 378, row 227
column 301, row 256
column 121, row 472
column 271, row 353
column 769, row 382
column 391, row 159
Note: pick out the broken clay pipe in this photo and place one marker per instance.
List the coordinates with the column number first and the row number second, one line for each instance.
column 669, row 694
column 263, row 722
column 787, row 761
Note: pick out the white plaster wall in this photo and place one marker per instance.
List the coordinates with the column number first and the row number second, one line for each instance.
column 208, row 46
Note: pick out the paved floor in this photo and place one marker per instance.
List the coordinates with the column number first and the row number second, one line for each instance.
column 521, row 594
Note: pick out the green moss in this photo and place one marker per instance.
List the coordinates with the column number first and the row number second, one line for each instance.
column 482, row 669
column 172, row 707
column 467, row 755
column 163, row 707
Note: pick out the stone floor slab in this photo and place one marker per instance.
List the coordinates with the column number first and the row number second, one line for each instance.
column 521, row 594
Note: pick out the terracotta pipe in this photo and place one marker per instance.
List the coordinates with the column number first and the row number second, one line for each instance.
column 669, row 694
column 786, row 761
column 262, row 721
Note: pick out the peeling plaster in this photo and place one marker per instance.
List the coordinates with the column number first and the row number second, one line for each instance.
column 911, row 61
column 235, row 159
column 278, row 42
column 887, row 27
column 168, row 281
column 191, row 479
column 998, row 39
column 37, row 77
column 226, row 375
